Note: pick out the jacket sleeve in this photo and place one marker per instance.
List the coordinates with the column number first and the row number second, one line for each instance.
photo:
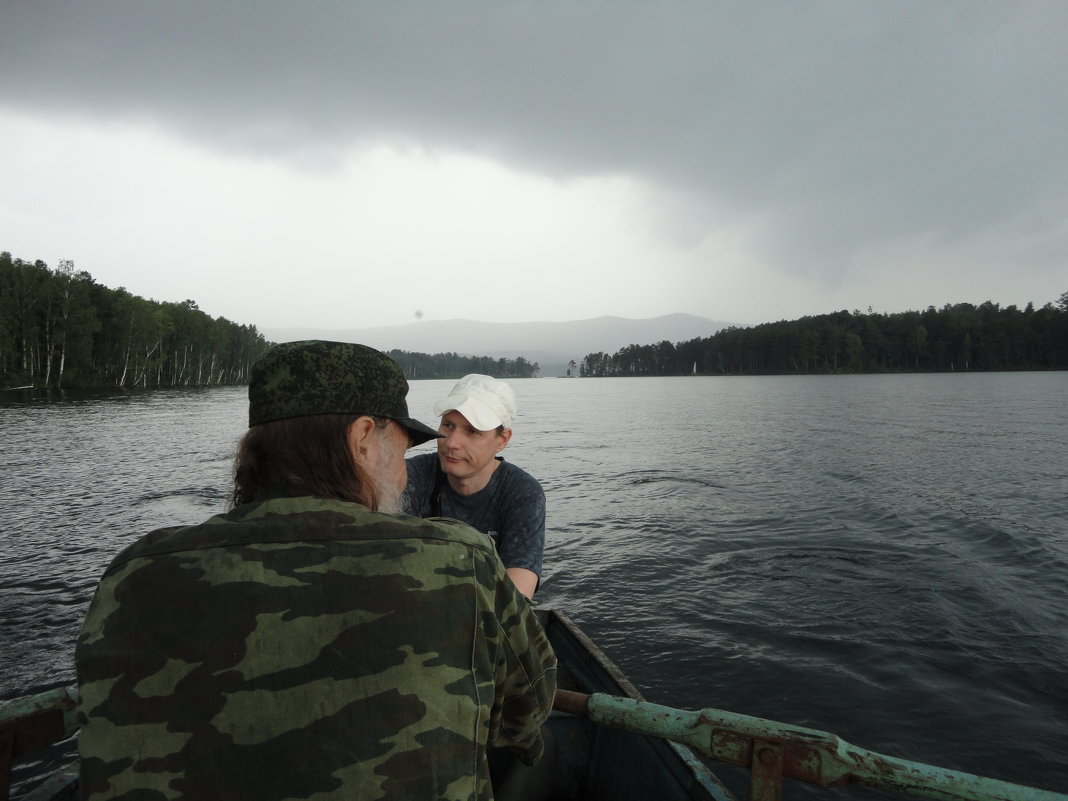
column 526, row 675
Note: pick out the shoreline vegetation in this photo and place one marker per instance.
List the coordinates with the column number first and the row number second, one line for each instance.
column 59, row 329
column 959, row 337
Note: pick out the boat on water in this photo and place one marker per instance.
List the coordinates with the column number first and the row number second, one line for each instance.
column 612, row 744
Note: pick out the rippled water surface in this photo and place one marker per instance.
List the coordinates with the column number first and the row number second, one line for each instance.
column 884, row 557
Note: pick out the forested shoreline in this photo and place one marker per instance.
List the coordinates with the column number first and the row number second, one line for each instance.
column 956, row 337
column 453, row 365
column 59, row 329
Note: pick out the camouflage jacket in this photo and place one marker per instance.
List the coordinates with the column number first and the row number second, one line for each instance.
column 301, row 648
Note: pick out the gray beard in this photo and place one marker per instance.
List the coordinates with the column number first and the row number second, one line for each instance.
column 390, row 499
column 390, row 496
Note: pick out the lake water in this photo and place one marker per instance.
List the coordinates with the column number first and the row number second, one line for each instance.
column 883, row 557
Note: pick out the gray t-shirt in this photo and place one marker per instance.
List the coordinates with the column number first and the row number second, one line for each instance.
column 510, row 508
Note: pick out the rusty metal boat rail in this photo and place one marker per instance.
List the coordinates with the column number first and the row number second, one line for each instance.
column 773, row 751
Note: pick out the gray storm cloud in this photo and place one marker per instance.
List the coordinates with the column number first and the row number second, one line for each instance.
column 835, row 125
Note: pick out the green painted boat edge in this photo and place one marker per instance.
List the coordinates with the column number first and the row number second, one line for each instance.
column 585, row 667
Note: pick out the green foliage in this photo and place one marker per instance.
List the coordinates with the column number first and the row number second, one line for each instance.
column 62, row 329
column 957, row 337
column 453, row 365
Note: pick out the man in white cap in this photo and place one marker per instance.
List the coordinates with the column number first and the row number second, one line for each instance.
column 467, row 480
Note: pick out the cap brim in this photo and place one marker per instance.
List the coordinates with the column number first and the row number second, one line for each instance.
column 417, row 432
column 476, row 411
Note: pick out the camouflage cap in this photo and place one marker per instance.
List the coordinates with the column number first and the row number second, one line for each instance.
column 296, row 379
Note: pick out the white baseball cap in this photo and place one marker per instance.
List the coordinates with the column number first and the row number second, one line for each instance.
column 485, row 401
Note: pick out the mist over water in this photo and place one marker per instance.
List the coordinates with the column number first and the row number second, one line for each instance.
column 883, row 557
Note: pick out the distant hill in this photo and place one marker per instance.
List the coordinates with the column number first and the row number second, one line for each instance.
column 551, row 345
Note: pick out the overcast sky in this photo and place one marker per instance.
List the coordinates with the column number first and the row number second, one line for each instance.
column 346, row 164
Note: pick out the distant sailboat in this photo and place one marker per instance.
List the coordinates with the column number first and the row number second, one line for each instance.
column 695, row 367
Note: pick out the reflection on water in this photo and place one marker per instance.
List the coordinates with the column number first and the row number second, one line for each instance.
column 885, row 557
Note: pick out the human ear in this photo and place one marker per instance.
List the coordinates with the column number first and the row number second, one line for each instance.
column 505, row 436
column 358, row 435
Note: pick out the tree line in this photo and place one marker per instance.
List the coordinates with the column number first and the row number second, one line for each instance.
column 61, row 329
column 956, row 337
column 453, row 365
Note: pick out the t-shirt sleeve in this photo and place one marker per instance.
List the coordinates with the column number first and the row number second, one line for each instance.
column 521, row 538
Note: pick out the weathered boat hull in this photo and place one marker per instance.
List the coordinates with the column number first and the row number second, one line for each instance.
column 600, row 763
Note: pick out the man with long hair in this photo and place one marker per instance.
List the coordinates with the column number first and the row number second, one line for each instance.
column 311, row 643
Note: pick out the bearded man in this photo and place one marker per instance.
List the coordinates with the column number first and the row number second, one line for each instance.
column 311, row 643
